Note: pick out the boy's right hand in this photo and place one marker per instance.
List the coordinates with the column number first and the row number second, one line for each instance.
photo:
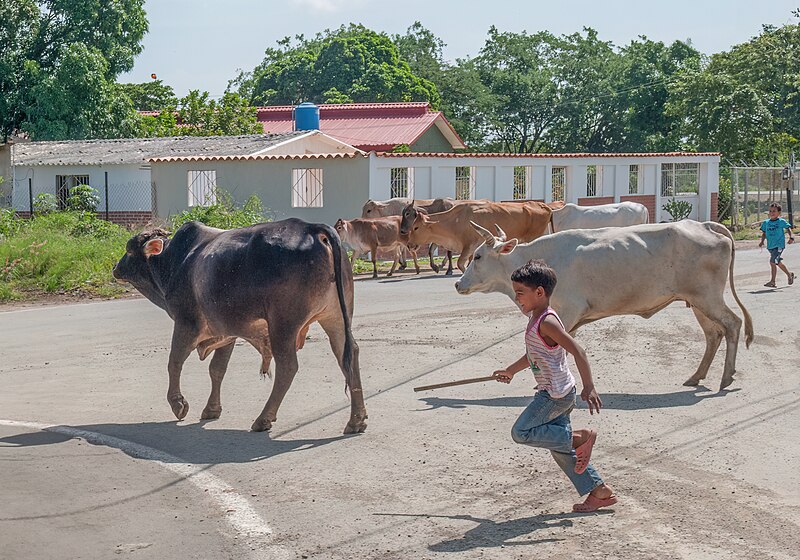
column 503, row 376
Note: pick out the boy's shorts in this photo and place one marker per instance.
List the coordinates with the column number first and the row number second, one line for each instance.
column 775, row 255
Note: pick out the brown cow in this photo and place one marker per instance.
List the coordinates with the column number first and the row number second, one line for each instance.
column 371, row 234
column 395, row 206
column 452, row 229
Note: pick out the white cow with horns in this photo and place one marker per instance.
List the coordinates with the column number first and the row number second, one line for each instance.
column 637, row 270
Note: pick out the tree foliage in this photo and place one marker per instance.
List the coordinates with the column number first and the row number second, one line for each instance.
column 349, row 64
column 58, row 63
column 150, row 96
column 199, row 115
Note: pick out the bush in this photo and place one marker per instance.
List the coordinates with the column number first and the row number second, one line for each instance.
column 44, row 203
column 725, row 199
column 678, row 209
column 83, row 198
column 9, row 224
column 223, row 213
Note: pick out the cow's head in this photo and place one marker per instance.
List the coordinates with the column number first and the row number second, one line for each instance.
column 134, row 266
column 372, row 209
column 341, row 227
column 487, row 271
column 410, row 218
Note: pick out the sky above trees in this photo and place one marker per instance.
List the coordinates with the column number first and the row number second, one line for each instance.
column 199, row 44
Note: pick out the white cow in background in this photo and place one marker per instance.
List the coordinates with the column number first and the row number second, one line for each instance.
column 622, row 214
column 637, row 270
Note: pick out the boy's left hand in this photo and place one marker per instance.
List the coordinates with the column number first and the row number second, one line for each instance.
column 590, row 396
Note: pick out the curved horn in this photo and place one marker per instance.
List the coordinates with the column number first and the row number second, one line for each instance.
column 485, row 233
column 500, row 233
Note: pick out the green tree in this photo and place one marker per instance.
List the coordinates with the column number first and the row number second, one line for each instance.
column 44, row 38
column 199, row 115
column 150, row 96
column 347, row 64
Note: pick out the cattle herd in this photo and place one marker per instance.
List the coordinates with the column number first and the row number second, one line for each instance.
column 268, row 283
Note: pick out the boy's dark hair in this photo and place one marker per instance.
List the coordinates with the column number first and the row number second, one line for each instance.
column 534, row 274
column 776, row 206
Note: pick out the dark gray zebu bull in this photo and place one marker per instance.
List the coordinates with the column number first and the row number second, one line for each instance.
column 266, row 284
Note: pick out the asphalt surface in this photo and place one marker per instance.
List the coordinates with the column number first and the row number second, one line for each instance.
column 93, row 465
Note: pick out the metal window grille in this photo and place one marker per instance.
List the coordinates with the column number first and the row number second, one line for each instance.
column 307, row 188
column 591, row 180
column 559, row 176
column 522, row 182
column 402, row 182
column 202, row 187
column 64, row 183
column 465, row 183
column 679, row 178
column 634, row 180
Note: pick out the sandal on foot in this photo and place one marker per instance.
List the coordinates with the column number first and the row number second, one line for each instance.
column 584, row 453
column 791, row 278
column 592, row 503
column 770, row 284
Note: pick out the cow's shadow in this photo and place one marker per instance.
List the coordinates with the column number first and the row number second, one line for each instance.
column 179, row 442
column 611, row 401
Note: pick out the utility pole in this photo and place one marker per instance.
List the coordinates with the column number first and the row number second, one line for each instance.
column 791, row 168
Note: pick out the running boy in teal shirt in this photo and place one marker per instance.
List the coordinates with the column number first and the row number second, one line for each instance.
column 773, row 230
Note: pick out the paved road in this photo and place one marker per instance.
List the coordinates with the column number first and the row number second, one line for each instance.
column 700, row 474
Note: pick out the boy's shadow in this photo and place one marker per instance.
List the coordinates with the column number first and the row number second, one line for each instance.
column 490, row 533
column 611, row 401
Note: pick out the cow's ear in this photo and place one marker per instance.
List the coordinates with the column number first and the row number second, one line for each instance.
column 508, row 246
column 153, row 247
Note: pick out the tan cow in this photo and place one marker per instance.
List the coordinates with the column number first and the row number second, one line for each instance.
column 395, row 206
column 634, row 270
column 368, row 235
column 452, row 229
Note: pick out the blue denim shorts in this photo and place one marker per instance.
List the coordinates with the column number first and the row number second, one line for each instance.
column 775, row 255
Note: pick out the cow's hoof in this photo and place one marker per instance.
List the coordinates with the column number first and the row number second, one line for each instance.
column 448, row 273
column 691, row 382
column 357, row 427
column 725, row 383
column 261, row 425
column 389, row 273
column 374, row 276
column 211, row 413
column 180, row 408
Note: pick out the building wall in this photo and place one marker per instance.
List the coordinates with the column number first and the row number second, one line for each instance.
column 494, row 178
column 432, row 140
column 5, row 175
column 345, row 185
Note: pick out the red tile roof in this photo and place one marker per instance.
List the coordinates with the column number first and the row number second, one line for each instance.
column 255, row 157
column 571, row 155
column 368, row 126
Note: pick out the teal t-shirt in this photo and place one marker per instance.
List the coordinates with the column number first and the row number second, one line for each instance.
column 775, row 231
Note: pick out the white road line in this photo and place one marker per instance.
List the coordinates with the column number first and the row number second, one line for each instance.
column 239, row 514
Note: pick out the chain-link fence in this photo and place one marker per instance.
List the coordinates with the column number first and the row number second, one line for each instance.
column 753, row 189
column 130, row 204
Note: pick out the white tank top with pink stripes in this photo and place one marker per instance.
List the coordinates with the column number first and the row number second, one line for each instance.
column 553, row 374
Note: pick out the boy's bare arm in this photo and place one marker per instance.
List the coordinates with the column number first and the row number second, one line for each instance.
column 552, row 329
column 507, row 374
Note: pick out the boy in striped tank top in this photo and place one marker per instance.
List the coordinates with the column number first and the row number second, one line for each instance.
column 545, row 422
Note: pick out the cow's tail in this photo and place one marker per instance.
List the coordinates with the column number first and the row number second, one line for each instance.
column 349, row 341
column 748, row 321
column 550, row 223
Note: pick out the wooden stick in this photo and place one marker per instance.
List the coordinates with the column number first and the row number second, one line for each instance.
column 454, row 383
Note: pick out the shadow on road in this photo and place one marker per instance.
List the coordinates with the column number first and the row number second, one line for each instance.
column 187, row 443
column 611, row 401
column 490, row 533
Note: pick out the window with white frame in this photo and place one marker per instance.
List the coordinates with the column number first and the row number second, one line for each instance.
column 63, row 185
column 591, row 180
column 634, row 179
column 679, row 179
column 559, row 175
column 522, row 182
column 402, row 182
column 465, row 183
column 306, row 188
column 202, row 187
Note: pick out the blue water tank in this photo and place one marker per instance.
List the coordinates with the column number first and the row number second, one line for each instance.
column 306, row 117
